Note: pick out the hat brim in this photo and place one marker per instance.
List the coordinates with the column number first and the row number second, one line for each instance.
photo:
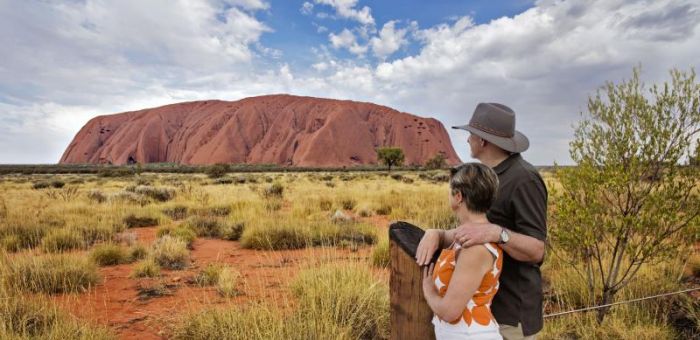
column 517, row 144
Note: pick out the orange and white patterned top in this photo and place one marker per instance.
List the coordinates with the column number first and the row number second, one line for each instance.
column 476, row 317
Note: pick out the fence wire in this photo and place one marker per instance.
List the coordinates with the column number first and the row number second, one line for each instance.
column 620, row 303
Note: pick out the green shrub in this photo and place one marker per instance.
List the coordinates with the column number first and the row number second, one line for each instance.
column 29, row 234
column 209, row 275
column 348, row 203
column 365, row 211
column 223, row 181
column 60, row 240
column 256, row 322
column 92, row 234
column 217, row 170
column 204, row 226
column 227, row 281
column 57, row 184
column 41, row 185
column 115, row 172
column 177, row 212
column 219, row 211
column 276, row 237
column 441, row 178
column 96, row 196
column 109, row 254
column 133, row 221
column 49, row 274
column 383, row 209
column 437, row 162
column 146, row 268
column 137, row 252
column 161, row 194
column 182, row 233
column 347, row 296
column 171, row 252
column 275, row 190
column 130, row 198
column 23, row 317
column 232, row 231
column 348, row 233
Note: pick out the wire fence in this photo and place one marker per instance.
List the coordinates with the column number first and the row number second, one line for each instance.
column 586, row 309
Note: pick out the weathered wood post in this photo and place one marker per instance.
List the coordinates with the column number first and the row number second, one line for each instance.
column 410, row 314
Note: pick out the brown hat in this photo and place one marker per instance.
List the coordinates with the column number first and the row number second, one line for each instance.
column 496, row 123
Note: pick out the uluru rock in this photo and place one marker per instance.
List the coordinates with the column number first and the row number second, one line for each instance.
column 275, row 129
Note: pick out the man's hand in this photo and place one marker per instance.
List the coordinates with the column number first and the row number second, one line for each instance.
column 427, row 246
column 469, row 234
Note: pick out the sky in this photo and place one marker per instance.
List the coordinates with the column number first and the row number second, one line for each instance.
column 64, row 62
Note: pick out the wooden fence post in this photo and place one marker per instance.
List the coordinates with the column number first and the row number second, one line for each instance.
column 410, row 314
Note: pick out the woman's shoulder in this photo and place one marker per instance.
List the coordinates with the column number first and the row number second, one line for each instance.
column 479, row 252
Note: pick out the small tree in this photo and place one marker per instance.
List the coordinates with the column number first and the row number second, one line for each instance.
column 437, row 162
column 390, row 156
column 629, row 202
column 217, row 170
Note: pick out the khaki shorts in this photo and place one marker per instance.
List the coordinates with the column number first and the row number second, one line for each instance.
column 509, row 332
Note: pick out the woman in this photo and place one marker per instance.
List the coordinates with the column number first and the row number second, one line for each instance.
column 464, row 281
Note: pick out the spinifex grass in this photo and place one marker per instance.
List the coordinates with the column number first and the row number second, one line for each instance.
column 48, row 273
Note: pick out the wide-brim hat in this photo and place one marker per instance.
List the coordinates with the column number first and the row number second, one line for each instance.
column 495, row 123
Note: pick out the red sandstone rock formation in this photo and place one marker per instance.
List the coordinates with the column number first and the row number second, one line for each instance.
column 275, row 129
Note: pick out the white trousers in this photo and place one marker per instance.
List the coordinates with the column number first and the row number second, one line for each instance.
column 447, row 331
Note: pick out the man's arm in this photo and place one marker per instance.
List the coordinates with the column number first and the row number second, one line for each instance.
column 526, row 244
column 521, row 247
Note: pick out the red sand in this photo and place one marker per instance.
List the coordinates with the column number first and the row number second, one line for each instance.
column 265, row 277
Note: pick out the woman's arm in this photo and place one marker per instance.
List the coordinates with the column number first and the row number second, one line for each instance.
column 472, row 263
column 432, row 240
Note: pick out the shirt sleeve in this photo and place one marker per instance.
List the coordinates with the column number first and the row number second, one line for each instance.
column 529, row 204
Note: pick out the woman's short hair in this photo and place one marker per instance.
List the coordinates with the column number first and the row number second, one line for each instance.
column 478, row 184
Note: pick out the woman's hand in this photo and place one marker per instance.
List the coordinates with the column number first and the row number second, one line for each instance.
column 427, row 246
column 428, row 284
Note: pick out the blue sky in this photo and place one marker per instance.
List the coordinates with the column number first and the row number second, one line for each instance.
column 64, row 62
column 296, row 33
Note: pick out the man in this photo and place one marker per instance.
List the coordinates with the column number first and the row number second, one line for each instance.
column 517, row 221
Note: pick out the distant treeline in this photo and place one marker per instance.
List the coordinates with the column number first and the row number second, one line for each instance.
column 125, row 170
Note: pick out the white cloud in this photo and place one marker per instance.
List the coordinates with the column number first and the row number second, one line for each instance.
column 249, row 4
column 346, row 39
column 389, row 40
column 307, row 8
column 320, row 28
column 346, row 9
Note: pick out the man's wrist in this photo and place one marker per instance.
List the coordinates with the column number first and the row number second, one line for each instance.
column 497, row 229
column 503, row 235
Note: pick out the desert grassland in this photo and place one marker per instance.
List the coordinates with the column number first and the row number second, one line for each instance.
column 298, row 256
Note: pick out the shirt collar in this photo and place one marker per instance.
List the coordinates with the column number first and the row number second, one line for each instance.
column 506, row 163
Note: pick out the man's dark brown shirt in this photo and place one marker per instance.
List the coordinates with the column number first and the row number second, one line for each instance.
column 521, row 206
